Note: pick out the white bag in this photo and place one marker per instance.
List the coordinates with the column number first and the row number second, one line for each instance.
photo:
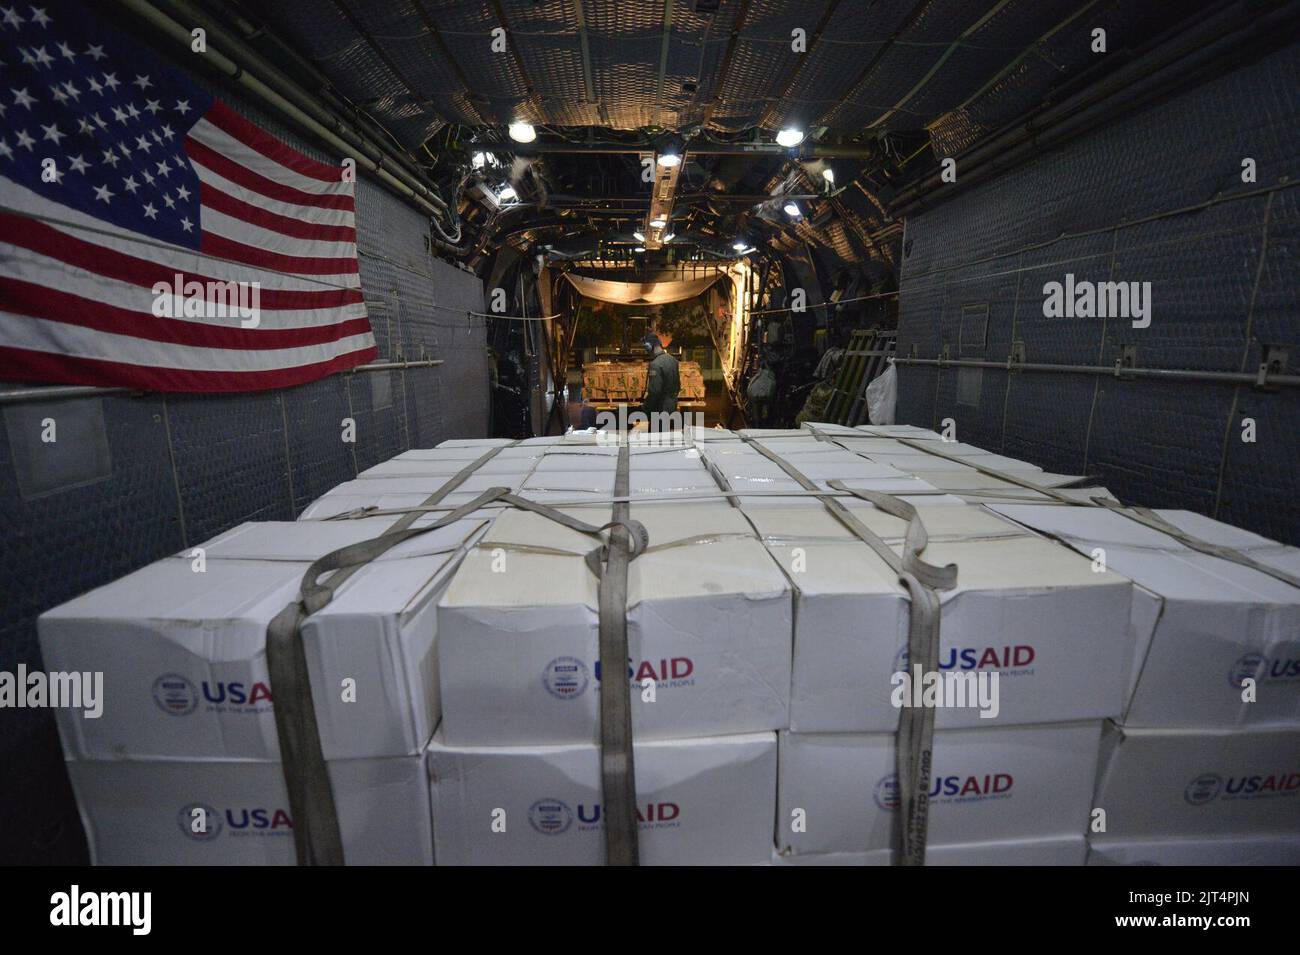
column 762, row 385
column 882, row 396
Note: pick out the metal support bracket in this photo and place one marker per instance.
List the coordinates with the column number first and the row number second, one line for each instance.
column 1127, row 359
column 1274, row 363
column 1017, row 356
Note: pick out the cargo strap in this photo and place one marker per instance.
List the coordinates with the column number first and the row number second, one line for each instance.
column 317, row 837
column 990, row 472
column 915, row 741
column 617, row 768
column 1143, row 515
column 1149, row 518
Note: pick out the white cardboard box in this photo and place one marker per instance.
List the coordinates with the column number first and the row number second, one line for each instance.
column 1256, row 850
column 1030, row 610
column 706, row 801
column 709, row 620
column 1176, row 783
column 1202, row 624
column 1066, row 851
column 143, row 812
column 989, row 785
column 183, row 653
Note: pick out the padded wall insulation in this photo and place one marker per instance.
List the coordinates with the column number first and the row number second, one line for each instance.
column 1225, row 282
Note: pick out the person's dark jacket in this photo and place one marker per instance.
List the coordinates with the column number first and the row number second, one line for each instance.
column 662, row 384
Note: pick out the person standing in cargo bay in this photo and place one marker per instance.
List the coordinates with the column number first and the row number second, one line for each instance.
column 662, row 382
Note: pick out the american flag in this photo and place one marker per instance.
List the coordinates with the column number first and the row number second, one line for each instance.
column 119, row 176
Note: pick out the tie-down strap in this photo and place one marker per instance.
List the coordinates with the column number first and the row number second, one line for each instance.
column 1143, row 515
column 317, row 837
column 915, row 741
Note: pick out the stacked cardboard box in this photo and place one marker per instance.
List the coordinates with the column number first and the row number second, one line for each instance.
column 709, row 632
column 1201, row 766
column 456, row 678
column 1014, row 785
column 183, row 763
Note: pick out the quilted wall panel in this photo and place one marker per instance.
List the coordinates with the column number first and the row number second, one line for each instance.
column 1154, row 197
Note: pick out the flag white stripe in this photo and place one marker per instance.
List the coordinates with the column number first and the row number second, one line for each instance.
column 312, row 214
column 28, row 266
column 241, row 230
column 36, row 334
column 177, row 258
column 236, row 151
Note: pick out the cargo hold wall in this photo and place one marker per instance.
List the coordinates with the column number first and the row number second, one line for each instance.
column 1156, row 196
column 132, row 479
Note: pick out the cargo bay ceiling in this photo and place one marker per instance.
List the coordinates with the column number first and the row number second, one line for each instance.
column 882, row 91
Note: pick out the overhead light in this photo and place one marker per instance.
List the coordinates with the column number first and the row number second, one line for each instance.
column 522, row 132
column 479, row 160
column 639, row 248
column 738, row 245
column 669, row 237
column 638, row 236
column 829, row 175
column 791, row 209
column 789, row 137
column 668, row 150
column 658, row 223
column 507, row 193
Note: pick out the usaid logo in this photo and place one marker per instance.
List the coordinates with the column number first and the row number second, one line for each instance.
column 975, row 658
column 886, row 793
column 175, row 695
column 1261, row 669
column 1203, row 789
column 565, row 678
column 550, row 817
column 200, row 822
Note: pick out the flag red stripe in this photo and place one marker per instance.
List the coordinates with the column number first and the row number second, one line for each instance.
column 228, row 121
column 212, row 244
column 214, row 198
column 240, row 175
column 46, row 240
column 39, row 301
column 28, row 365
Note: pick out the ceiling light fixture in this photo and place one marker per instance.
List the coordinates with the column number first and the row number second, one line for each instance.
column 507, row 193
column 789, row 137
column 791, row 209
column 638, row 236
column 522, row 132
column 829, row 175
column 669, row 237
column 668, row 150
column 738, row 245
column 658, row 223
column 639, row 248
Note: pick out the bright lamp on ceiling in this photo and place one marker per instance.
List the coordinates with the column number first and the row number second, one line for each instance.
column 522, row 132
column 789, row 137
